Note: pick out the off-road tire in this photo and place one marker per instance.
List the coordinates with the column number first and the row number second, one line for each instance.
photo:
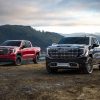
column 87, row 68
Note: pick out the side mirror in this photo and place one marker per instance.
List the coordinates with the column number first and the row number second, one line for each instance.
column 23, row 46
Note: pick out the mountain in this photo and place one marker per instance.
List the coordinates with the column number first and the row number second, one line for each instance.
column 97, row 35
column 38, row 38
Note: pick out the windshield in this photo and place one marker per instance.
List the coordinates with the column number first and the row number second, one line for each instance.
column 11, row 43
column 74, row 40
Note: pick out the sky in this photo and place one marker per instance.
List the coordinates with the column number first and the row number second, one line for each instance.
column 62, row 16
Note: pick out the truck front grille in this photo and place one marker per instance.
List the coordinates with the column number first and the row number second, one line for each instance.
column 3, row 51
column 61, row 53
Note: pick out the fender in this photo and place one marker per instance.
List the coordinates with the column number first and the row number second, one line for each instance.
column 96, row 54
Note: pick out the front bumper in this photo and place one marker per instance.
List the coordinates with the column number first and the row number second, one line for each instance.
column 73, row 62
column 7, row 58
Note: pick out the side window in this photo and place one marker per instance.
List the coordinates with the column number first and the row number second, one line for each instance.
column 94, row 41
column 27, row 44
column 24, row 44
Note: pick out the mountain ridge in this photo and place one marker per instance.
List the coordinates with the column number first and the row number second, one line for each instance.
column 38, row 38
column 97, row 35
column 20, row 32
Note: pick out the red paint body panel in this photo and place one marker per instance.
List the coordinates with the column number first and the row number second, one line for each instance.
column 10, row 57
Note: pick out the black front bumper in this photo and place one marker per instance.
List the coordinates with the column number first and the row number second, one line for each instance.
column 78, row 60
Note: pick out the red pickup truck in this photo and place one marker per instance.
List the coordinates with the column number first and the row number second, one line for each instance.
column 16, row 51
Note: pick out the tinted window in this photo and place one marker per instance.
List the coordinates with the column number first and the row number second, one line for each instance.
column 27, row 44
column 11, row 43
column 95, row 41
column 75, row 40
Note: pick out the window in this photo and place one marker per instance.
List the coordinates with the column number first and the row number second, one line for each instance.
column 74, row 40
column 11, row 43
column 94, row 41
column 27, row 44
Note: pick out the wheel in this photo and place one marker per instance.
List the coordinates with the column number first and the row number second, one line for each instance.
column 18, row 61
column 51, row 70
column 87, row 68
column 35, row 60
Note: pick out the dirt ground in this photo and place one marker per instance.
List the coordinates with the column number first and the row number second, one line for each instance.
column 32, row 82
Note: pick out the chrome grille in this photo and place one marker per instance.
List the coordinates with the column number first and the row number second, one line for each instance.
column 61, row 53
column 3, row 51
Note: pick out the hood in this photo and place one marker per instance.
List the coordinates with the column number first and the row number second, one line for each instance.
column 68, row 46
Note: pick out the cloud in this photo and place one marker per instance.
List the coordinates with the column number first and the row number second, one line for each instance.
column 50, row 12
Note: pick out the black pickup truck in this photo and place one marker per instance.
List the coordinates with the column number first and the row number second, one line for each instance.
column 73, row 52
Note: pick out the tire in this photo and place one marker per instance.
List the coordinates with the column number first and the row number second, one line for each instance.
column 51, row 70
column 87, row 68
column 36, row 59
column 99, row 67
column 18, row 61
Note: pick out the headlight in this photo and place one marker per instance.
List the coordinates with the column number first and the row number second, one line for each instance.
column 83, row 52
column 11, row 51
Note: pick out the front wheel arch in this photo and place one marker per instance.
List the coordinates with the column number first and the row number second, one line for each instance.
column 18, row 60
column 87, row 67
column 90, row 55
column 35, row 60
